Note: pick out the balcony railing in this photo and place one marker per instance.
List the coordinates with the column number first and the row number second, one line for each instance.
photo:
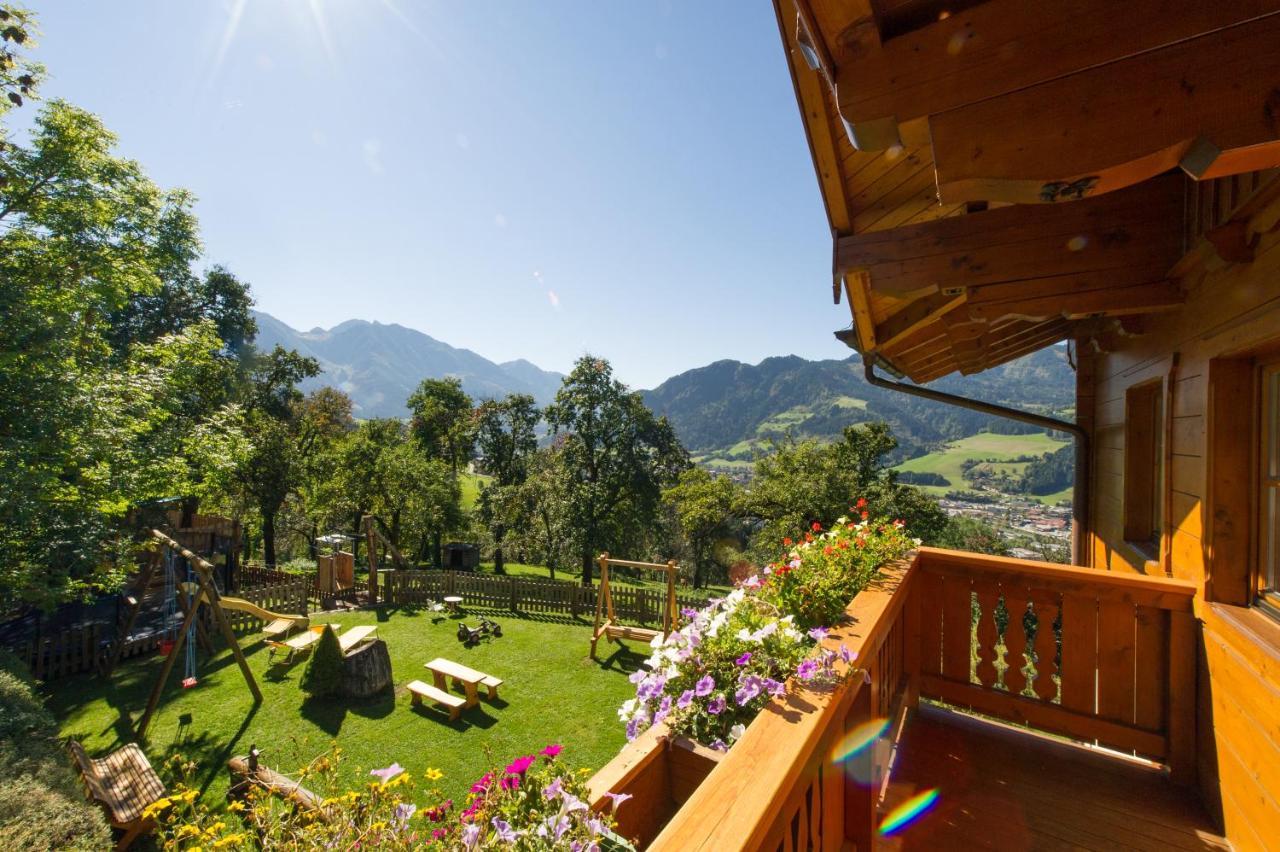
column 1101, row 658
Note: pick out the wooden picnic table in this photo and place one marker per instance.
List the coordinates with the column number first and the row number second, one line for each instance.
column 442, row 669
column 454, row 602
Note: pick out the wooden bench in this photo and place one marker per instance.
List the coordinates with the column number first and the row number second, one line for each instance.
column 451, row 702
column 355, row 635
column 124, row 784
column 492, row 683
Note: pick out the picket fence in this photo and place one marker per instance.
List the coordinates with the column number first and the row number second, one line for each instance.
column 289, row 597
column 521, row 594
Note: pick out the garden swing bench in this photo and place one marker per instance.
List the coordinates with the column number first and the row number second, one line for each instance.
column 607, row 626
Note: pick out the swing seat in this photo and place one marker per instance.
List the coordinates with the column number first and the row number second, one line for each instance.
column 188, row 682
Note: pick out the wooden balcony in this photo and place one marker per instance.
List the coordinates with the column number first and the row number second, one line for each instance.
column 1057, row 712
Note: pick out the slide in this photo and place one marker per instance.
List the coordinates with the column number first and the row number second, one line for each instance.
column 242, row 605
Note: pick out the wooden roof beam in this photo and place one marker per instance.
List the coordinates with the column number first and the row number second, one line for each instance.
column 915, row 316
column 1133, row 236
column 1134, row 299
column 886, row 88
column 1208, row 105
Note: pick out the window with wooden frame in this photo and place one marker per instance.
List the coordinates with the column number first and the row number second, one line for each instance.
column 1144, row 465
column 1267, row 586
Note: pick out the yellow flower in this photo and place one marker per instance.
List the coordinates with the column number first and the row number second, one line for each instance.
column 229, row 840
column 236, row 807
column 434, row 774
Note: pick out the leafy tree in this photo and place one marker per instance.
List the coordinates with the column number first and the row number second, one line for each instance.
column 19, row 76
column 442, row 420
column 286, row 431
column 505, row 434
column 704, row 509
column 544, row 499
column 973, row 535
column 323, row 674
column 806, row 482
column 616, row 453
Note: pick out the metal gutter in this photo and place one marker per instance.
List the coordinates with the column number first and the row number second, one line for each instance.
column 1080, row 487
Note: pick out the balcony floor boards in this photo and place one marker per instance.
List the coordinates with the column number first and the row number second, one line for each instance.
column 1003, row 789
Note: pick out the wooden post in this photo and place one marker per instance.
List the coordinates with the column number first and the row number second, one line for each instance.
column 601, row 593
column 860, row 798
column 1182, row 698
column 373, row 558
column 210, row 593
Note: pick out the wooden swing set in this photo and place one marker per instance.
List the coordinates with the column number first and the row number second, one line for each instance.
column 607, row 625
column 205, row 593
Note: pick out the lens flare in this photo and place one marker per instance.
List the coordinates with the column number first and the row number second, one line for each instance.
column 910, row 810
column 858, row 739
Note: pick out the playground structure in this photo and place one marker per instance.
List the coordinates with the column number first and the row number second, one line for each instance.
column 606, row 624
column 196, row 591
column 336, row 573
column 374, row 535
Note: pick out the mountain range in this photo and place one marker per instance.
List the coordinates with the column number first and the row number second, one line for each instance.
column 379, row 364
column 722, row 411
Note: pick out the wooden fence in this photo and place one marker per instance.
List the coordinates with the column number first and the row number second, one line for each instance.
column 255, row 576
column 522, row 594
column 287, row 598
column 68, row 652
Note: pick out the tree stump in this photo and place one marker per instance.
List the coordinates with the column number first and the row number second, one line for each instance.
column 366, row 670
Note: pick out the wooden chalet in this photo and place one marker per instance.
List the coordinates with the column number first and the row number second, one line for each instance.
column 1002, row 176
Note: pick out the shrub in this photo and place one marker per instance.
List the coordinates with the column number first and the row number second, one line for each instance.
column 42, row 802
column 535, row 802
column 323, row 675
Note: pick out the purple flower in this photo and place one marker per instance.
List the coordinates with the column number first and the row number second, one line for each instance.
column 637, row 675
column 520, row 765
column 551, row 751
column 633, row 728
column 595, row 826
column 689, row 612
column 483, row 784
column 807, row 669
column 704, row 686
column 847, row 655
column 773, row 687
column 553, row 789
column 404, row 811
column 618, row 798
column 685, row 699
column 752, row 582
column 388, row 773
column 717, row 705
column 505, row 834
column 470, row 834
column 664, row 709
column 719, row 745
column 817, row 634
column 743, row 660
column 750, row 689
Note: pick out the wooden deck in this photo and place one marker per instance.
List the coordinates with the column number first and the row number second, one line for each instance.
column 1001, row 788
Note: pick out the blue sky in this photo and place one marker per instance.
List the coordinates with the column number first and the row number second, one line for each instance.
column 529, row 180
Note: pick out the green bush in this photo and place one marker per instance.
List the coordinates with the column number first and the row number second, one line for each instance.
column 42, row 803
column 324, row 670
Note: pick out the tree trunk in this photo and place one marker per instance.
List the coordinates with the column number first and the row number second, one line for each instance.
column 366, row 671
column 499, row 563
column 697, row 573
column 269, row 538
column 358, row 534
column 190, row 507
column 395, row 527
column 436, row 549
column 586, row 567
column 312, row 548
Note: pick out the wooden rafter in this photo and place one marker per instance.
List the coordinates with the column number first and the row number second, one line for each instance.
column 1133, row 236
column 886, row 87
column 915, row 316
column 1207, row 104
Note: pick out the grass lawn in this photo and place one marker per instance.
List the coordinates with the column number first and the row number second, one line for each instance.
column 984, row 445
column 470, row 484
column 552, row 693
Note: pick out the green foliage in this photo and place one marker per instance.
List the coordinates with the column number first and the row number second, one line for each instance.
column 973, row 535
column 506, row 437
column 323, row 675
column 42, row 804
column 806, row 482
column 1050, row 472
column 704, row 507
column 19, row 76
column 443, row 422
column 820, row 571
column 618, row 455
column 111, row 415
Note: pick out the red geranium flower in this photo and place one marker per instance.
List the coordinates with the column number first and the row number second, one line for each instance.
column 786, row 542
column 862, row 503
column 816, row 526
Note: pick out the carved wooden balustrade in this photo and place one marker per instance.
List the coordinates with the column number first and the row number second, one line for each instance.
column 1102, row 658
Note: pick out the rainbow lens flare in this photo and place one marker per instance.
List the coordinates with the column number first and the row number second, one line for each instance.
column 858, row 739
column 909, row 811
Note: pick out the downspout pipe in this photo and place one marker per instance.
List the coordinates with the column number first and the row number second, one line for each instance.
column 1080, row 487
